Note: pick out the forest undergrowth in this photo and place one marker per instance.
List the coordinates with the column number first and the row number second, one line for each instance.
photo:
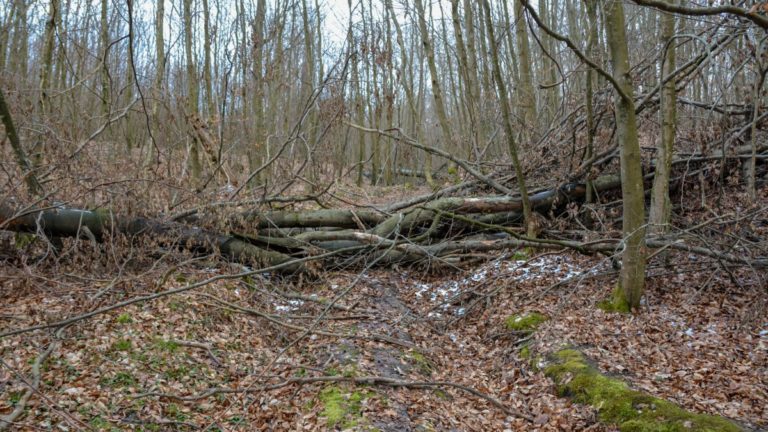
column 424, row 347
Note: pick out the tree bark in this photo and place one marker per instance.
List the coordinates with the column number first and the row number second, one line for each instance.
column 33, row 185
column 46, row 68
column 526, row 95
column 437, row 93
column 658, row 218
column 193, row 99
column 507, row 117
column 632, row 276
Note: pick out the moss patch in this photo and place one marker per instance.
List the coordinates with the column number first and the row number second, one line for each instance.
column 340, row 408
column 617, row 404
column 120, row 379
column 527, row 322
column 525, row 352
column 122, row 345
column 124, row 319
column 616, row 303
column 166, row 345
column 420, row 361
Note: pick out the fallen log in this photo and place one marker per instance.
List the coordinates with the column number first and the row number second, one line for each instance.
column 66, row 222
column 356, row 218
column 433, row 229
column 542, row 202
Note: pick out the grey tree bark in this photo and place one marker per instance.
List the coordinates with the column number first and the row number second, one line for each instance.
column 632, row 275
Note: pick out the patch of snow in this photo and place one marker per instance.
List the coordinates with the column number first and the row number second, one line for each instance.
column 559, row 267
column 480, row 275
column 290, row 307
column 689, row 331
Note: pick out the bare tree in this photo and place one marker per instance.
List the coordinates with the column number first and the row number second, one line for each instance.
column 507, row 116
column 659, row 213
column 632, row 276
column 33, row 185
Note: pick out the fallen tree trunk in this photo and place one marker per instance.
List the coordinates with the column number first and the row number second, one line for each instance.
column 63, row 222
column 433, row 229
column 356, row 218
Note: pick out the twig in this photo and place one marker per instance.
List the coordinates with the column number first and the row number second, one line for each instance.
column 311, row 330
column 364, row 380
column 166, row 293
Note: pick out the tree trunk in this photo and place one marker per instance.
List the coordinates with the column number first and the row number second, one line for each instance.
column 21, row 158
column 658, row 218
column 589, row 86
column 507, row 117
column 632, row 276
column 106, row 85
column 5, row 30
column 160, row 60
column 526, row 94
column 437, row 93
column 193, row 100
column 20, row 46
column 46, row 67
column 207, row 81
column 102, row 224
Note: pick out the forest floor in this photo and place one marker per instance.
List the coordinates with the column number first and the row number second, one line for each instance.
column 200, row 359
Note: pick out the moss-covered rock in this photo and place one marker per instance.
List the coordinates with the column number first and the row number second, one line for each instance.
column 630, row 410
column 526, row 322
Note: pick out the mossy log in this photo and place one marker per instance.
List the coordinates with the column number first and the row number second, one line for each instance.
column 618, row 404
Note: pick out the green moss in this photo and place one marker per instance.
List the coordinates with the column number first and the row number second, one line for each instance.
column 525, row 352
column 236, row 420
column 177, row 372
column 124, row 319
column 618, row 404
column 340, row 408
column 122, row 345
column 616, row 303
column 521, row 255
column 422, row 363
column 175, row 412
column 441, row 394
column 166, row 345
column 14, row 397
column 22, row 240
column 528, row 322
column 120, row 379
column 99, row 423
column 452, row 170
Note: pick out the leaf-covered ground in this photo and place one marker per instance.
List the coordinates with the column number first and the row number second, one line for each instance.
column 257, row 353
